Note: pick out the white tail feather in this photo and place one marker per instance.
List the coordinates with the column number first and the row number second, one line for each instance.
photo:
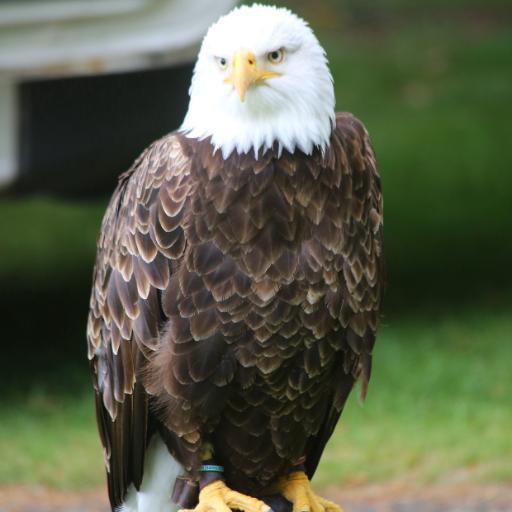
column 160, row 472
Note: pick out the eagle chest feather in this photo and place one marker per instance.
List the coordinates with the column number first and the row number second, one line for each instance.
column 253, row 348
column 235, row 302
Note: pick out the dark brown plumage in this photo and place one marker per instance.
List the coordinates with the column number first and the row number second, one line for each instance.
column 235, row 302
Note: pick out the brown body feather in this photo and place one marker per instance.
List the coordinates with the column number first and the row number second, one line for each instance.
column 235, row 302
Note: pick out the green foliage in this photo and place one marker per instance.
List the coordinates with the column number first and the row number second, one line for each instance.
column 437, row 105
column 47, row 240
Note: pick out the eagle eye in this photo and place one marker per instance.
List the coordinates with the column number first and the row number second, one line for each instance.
column 276, row 57
column 222, row 62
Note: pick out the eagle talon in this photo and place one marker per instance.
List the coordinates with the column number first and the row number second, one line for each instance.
column 218, row 497
column 296, row 488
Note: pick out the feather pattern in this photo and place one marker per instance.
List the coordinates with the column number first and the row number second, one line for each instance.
column 235, row 302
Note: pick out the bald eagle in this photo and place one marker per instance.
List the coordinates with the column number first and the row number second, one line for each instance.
column 238, row 281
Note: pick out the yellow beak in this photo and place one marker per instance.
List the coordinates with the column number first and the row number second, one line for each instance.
column 244, row 72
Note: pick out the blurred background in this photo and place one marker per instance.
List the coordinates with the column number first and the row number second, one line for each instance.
column 85, row 86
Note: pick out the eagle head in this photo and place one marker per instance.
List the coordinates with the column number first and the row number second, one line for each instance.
column 261, row 78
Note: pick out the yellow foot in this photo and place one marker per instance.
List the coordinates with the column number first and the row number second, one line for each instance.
column 296, row 488
column 217, row 497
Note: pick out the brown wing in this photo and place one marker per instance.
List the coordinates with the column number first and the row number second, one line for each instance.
column 141, row 238
column 357, row 301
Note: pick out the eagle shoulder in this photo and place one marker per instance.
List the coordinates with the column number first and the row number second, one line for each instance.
column 141, row 234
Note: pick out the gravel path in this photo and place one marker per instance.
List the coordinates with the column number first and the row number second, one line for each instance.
column 395, row 497
column 402, row 497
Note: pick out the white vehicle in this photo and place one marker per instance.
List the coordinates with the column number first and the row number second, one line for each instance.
column 85, row 85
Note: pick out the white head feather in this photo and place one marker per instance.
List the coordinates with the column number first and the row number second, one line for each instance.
column 294, row 109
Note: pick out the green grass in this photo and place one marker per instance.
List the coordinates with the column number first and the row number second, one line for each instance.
column 50, row 439
column 439, row 403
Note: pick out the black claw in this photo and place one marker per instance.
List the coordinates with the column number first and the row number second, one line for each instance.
column 278, row 503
